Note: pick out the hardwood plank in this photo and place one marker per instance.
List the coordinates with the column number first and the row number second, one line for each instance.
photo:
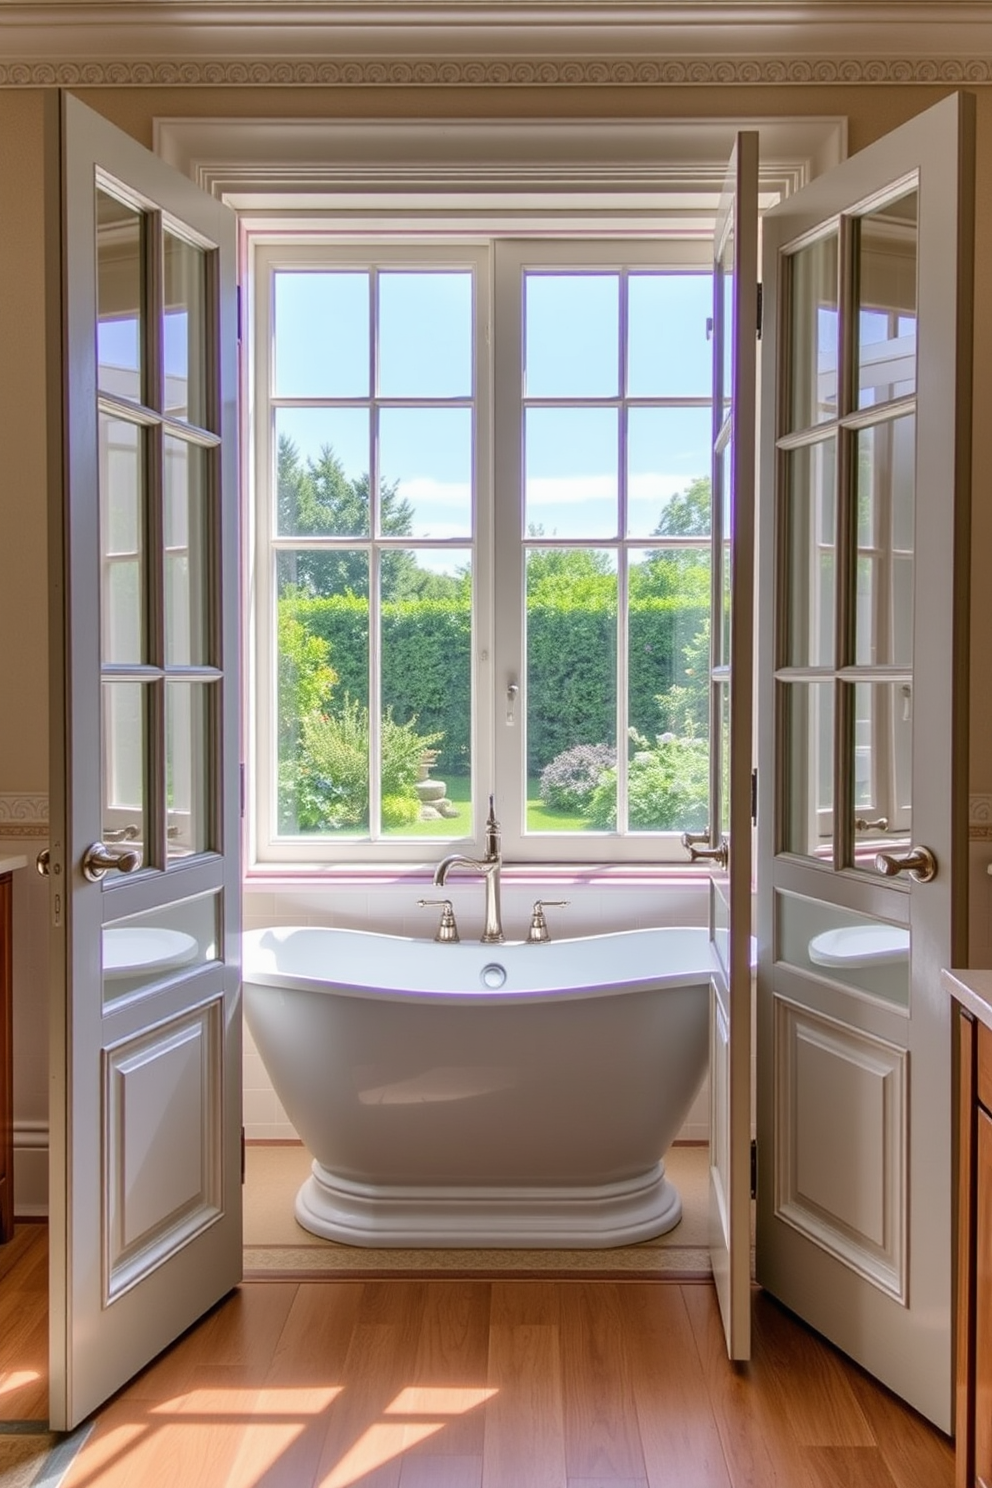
column 848, row 1467
column 525, row 1429
column 602, row 1439
column 451, row 1367
column 915, row 1453
column 758, row 1447
column 518, row 1302
column 810, row 1377
column 365, row 1440
column 678, row 1432
column 607, row 1483
column 24, row 1325
column 441, row 1472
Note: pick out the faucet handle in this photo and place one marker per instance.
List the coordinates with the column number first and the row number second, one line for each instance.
column 447, row 930
column 538, row 933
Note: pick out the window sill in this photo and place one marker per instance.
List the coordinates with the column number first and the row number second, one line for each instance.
column 593, row 875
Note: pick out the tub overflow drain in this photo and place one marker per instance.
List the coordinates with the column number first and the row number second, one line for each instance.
column 493, row 975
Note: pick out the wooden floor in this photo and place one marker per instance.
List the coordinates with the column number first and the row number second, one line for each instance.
column 478, row 1384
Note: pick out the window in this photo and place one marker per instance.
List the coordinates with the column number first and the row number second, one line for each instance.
column 482, row 548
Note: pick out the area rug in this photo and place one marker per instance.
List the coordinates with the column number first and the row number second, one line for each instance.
column 275, row 1245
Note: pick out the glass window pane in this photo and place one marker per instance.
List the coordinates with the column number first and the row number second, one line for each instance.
column 570, row 470
column 322, row 661
column 883, row 737
column 189, row 755
column 425, row 462
column 807, row 824
column 668, row 350
column 571, row 689
column 571, row 335
column 120, row 298
column 148, row 949
column 124, row 761
column 185, row 331
column 867, row 955
column 813, row 323
column 887, row 255
column 425, row 335
column 725, row 463
column 122, row 622
column 810, row 542
column 321, row 334
column 728, row 295
column 426, row 739
column 886, row 472
column 322, row 472
column 668, row 471
column 668, row 647
column 187, row 549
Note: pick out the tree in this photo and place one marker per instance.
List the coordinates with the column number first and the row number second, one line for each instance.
column 678, row 573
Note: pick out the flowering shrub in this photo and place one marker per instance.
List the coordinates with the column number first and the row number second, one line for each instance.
column 667, row 787
column 568, row 782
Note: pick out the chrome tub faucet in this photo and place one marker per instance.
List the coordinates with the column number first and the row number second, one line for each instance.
column 489, row 867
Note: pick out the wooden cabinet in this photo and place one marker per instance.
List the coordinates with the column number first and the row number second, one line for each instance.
column 6, row 1064
column 973, row 1426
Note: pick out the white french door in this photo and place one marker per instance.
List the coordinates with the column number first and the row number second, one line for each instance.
column 863, row 743
column 144, row 857
column 735, row 331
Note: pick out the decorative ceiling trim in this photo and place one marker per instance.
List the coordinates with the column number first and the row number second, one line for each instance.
column 385, row 72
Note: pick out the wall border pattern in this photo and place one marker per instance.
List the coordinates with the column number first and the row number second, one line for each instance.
column 23, row 815
column 476, row 72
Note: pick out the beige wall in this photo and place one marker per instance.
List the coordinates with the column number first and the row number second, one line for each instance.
column 871, row 111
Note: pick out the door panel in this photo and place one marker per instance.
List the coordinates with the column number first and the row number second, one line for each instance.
column 145, row 883
column 735, row 316
column 863, row 693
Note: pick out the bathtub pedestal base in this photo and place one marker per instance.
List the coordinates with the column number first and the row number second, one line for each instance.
column 391, row 1216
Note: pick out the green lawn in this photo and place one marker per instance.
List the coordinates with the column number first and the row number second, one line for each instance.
column 540, row 818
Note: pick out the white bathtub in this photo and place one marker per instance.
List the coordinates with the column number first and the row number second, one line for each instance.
column 442, row 1110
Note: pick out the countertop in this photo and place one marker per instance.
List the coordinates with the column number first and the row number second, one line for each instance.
column 973, row 989
column 8, row 865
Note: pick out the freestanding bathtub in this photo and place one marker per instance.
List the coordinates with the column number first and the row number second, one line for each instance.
column 480, row 1095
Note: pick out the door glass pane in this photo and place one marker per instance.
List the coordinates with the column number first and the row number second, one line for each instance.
column 125, row 797
column 668, row 648
column 322, row 472
column 813, row 322
column 727, row 287
column 887, row 262
column 867, row 955
column 571, row 482
column 426, row 732
column 122, row 612
column 810, row 538
column 807, row 823
column 321, row 334
column 571, row 335
column 322, row 660
column 668, row 461
column 188, row 757
column 725, row 459
column 723, row 713
column 425, row 335
column 571, row 690
column 147, row 949
column 120, row 298
column 886, row 502
column 425, row 463
column 883, row 733
column 668, row 354
column 187, row 548
column 184, row 330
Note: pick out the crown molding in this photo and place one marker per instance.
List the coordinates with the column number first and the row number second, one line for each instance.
column 500, row 43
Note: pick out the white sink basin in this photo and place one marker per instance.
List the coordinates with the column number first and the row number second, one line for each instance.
column 129, row 950
column 860, row 945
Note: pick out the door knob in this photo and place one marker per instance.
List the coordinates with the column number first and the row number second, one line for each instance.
column 919, row 862
column 43, row 862
column 99, row 859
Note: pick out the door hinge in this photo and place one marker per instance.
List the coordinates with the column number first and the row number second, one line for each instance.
column 754, row 796
column 244, row 1156
column 754, row 1167
column 241, row 787
column 238, row 291
column 761, row 306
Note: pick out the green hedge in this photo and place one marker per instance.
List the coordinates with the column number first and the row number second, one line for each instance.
column 426, row 665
